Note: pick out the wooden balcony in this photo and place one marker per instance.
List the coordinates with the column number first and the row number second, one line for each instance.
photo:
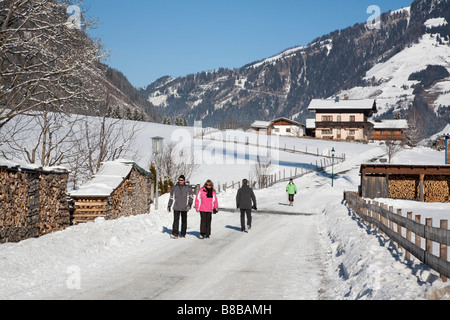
column 342, row 124
column 388, row 136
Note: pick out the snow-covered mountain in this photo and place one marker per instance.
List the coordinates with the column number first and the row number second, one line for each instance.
column 391, row 85
column 357, row 61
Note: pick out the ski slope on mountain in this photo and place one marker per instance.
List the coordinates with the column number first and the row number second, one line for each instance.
column 317, row 249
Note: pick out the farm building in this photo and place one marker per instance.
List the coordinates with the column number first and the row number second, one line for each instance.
column 261, row 127
column 427, row 183
column 343, row 119
column 33, row 201
column 389, row 129
column 288, row 128
column 120, row 188
column 279, row 127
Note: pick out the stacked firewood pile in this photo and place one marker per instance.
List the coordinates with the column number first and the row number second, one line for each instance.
column 32, row 203
column 437, row 188
column 15, row 207
column 54, row 208
column 407, row 187
column 404, row 187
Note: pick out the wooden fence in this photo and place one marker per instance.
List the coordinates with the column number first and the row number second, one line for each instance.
column 394, row 225
column 267, row 144
column 327, row 160
column 282, row 176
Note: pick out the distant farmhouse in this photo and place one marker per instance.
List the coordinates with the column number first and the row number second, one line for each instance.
column 343, row 119
column 279, row 127
column 351, row 120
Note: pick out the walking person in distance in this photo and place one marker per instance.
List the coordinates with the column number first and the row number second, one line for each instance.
column 291, row 189
column 244, row 199
column 206, row 204
column 181, row 197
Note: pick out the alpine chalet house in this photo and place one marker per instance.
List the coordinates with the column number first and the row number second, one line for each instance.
column 343, row 119
column 279, row 127
column 287, row 128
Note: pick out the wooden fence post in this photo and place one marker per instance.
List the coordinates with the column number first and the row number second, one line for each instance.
column 391, row 224
column 408, row 235
column 399, row 227
column 429, row 243
column 417, row 237
column 443, row 247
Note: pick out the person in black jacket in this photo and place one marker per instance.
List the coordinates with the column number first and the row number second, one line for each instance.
column 244, row 198
column 181, row 197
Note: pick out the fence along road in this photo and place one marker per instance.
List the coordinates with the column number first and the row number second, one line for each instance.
column 384, row 220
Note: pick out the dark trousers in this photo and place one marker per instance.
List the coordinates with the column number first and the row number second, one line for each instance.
column 176, row 222
column 291, row 197
column 205, row 223
column 245, row 212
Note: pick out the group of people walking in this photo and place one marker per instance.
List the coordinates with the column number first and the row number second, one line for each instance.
column 182, row 199
column 206, row 204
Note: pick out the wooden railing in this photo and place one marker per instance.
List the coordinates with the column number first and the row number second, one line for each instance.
column 393, row 225
column 249, row 142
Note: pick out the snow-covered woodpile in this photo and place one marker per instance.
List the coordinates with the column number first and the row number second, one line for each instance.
column 33, row 202
column 120, row 188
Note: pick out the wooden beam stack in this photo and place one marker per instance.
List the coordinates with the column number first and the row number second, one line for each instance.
column 87, row 210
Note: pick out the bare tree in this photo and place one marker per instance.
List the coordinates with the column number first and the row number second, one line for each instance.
column 43, row 61
column 79, row 143
column 416, row 131
column 175, row 161
column 262, row 170
column 45, row 139
column 392, row 148
column 105, row 139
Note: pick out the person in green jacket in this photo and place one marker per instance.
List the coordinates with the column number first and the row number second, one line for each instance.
column 291, row 189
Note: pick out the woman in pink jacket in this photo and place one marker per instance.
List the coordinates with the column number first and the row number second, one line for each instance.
column 206, row 203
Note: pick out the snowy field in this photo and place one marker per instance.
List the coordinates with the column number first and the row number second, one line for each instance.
column 316, row 250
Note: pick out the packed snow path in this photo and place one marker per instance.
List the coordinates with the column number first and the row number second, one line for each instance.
column 272, row 261
column 325, row 253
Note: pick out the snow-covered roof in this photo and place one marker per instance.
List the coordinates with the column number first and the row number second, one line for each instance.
column 327, row 104
column 21, row 165
column 390, row 124
column 261, row 124
column 109, row 178
column 310, row 123
column 292, row 122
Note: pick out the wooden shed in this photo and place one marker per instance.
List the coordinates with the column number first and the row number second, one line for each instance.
column 120, row 188
column 33, row 200
column 427, row 183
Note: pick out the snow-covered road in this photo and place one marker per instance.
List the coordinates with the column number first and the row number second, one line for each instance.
column 317, row 249
column 272, row 261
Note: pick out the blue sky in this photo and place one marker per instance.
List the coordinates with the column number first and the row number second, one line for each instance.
column 152, row 38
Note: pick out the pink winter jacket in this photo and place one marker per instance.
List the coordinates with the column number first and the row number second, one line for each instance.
column 205, row 204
